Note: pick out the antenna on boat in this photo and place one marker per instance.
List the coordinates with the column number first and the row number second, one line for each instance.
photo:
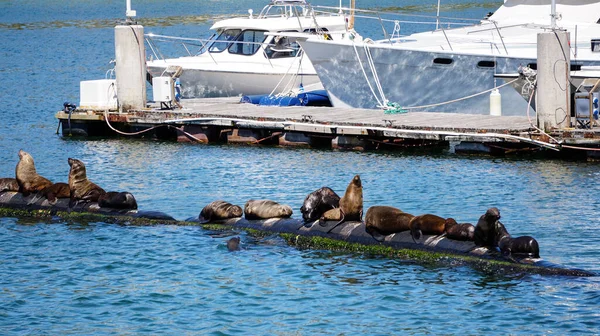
column 437, row 18
column 553, row 14
column 129, row 13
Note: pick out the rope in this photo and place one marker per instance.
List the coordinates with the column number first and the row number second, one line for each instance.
column 463, row 98
column 379, row 103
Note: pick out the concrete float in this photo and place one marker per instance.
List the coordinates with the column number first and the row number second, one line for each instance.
column 349, row 236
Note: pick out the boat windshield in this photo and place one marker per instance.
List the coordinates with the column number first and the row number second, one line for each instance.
column 247, row 43
column 223, row 40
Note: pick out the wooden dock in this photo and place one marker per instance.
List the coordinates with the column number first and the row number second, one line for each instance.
column 226, row 120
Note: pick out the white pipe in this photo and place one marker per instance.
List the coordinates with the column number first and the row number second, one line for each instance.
column 128, row 12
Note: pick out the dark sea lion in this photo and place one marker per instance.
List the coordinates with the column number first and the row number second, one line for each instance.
column 523, row 245
column 351, row 205
column 57, row 190
column 318, row 202
column 265, row 209
column 9, row 184
column 386, row 220
column 462, row 232
column 117, row 200
column 233, row 244
column 484, row 230
column 219, row 210
column 428, row 224
column 27, row 177
column 80, row 187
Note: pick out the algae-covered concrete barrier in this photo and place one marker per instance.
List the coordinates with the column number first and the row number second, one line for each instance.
column 348, row 236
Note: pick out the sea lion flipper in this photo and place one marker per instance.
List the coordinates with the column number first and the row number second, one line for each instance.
column 342, row 216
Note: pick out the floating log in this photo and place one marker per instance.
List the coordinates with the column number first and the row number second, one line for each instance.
column 349, row 236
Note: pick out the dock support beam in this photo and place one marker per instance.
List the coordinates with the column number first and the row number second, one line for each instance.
column 130, row 56
column 553, row 81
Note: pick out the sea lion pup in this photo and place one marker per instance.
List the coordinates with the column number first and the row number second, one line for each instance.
column 219, row 210
column 80, row 187
column 386, row 220
column 484, row 230
column 463, row 231
column 523, row 245
column 351, row 205
column 318, row 202
column 27, row 177
column 233, row 244
column 55, row 191
column 428, row 224
column 265, row 209
column 117, row 200
column 9, row 184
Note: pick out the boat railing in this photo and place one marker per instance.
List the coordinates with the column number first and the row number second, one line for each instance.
column 415, row 22
column 202, row 44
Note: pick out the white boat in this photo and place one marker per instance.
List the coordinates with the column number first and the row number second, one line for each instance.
column 438, row 70
column 247, row 56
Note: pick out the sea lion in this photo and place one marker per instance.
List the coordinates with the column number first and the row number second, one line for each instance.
column 219, row 210
column 428, row 224
column 57, row 190
column 318, row 202
column 265, row 209
column 523, row 245
column 233, row 244
column 484, row 230
column 462, row 232
column 117, row 200
column 81, row 188
column 351, row 205
column 9, row 184
column 386, row 220
column 27, row 177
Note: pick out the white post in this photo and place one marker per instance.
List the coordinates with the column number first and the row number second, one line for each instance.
column 553, row 80
column 553, row 14
column 130, row 68
column 437, row 18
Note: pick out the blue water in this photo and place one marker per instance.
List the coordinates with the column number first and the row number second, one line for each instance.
column 60, row 277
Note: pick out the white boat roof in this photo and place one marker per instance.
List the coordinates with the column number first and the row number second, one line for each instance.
column 538, row 11
column 276, row 24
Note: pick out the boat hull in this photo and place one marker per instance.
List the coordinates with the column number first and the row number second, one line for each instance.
column 410, row 78
column 200, row 83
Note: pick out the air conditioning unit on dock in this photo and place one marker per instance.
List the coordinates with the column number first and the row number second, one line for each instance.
column 98, row 94
column 163, row 90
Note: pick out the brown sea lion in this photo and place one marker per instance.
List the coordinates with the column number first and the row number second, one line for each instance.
column 386, row 220
column 484, row 230
column 318, row 202
column 351, row 205
column 523, row 245
column 27, row 177
column 428, row 224
column 9, row 184
column 219, row 210
column 233, row 244
column 265, row 209
column 117, row 200
column 57, row 190
column 462, row 232
column 81, row 188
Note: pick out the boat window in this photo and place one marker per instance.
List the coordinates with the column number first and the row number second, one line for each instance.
column 222, row 42
column 283, row 46
column 442, row 61
column 247, row 43
column 205, row 44
column 575, row 67
column 532, row 66
column 486, row 64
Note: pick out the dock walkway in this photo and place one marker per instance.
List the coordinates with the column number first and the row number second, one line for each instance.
column 226, row 120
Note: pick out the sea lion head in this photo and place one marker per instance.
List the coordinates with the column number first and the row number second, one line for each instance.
column 492, row 215
column 22, row 154
column 356, row 181
column 77, row 171
column 450, row 222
